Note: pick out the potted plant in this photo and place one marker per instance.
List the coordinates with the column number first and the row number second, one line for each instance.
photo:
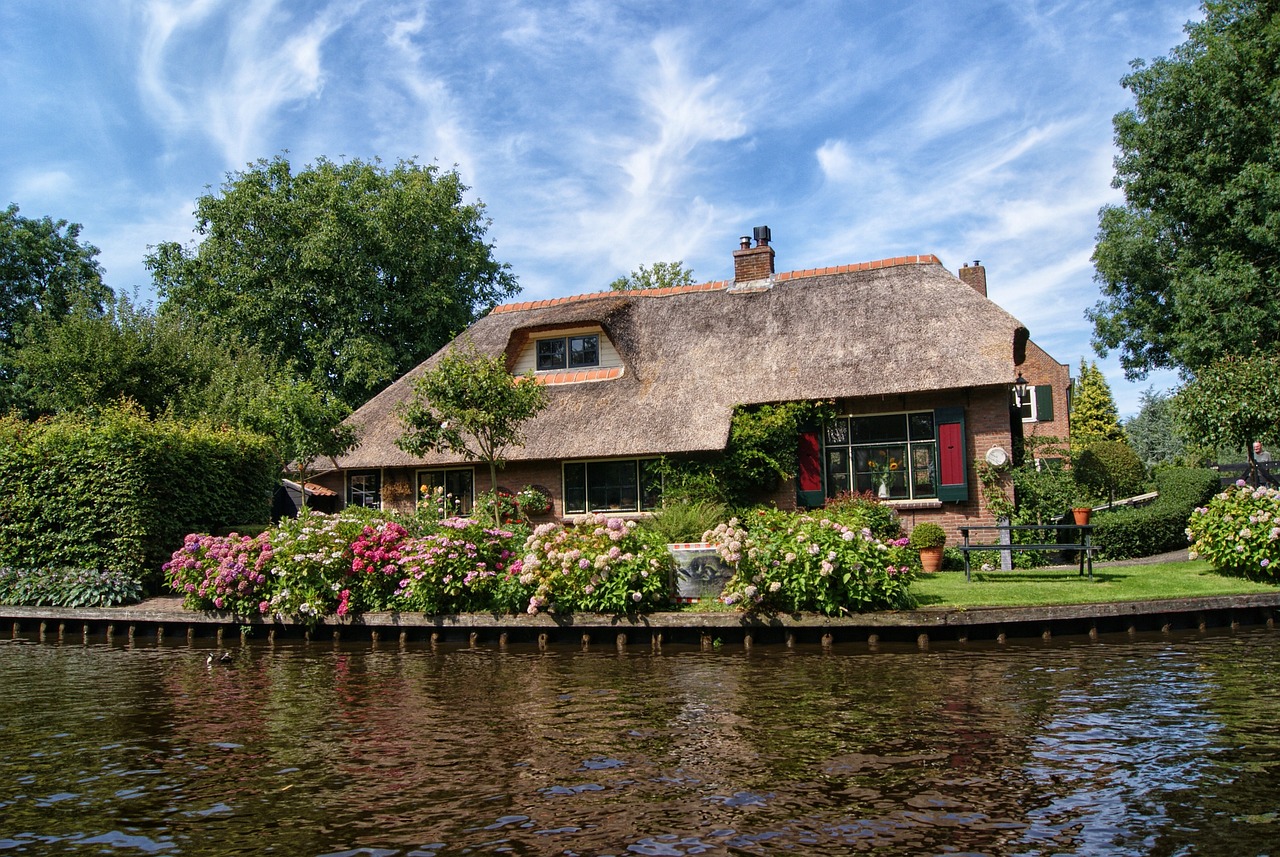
column 1082, row 507
column 928, row 538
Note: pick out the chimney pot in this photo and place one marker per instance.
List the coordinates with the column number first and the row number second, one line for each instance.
column 745, row 242
column 751, row 264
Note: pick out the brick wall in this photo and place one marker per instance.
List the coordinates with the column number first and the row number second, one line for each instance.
column 1039, row 369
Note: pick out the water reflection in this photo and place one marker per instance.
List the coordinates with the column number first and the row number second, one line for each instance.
column 1155, row 746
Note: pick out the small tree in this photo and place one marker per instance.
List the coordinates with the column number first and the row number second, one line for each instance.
column 1231, row 403
column 470, row 404
column 1093, row 410
column 305, row 424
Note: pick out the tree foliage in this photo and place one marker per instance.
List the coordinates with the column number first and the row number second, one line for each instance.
column 1109, row 469
column 661, row 275
column 468, row 403
column 1231, row 403
column 1093, row 409
column 46, row 273
column 1151, row 432
column 1189, row 264
column 348, row 273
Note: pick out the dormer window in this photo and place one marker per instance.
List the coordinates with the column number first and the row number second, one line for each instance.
column 568, row 352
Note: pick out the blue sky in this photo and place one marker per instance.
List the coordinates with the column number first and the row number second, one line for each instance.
column 606, row 135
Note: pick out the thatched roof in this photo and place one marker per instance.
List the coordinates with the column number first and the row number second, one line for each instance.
column 691, row 354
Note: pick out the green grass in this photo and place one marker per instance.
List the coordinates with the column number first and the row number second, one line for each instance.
column 1046, row 586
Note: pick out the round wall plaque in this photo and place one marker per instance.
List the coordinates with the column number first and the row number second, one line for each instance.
column 996, row 456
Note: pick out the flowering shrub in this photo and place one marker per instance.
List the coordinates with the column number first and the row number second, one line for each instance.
column 864, row 509
column 599, row 564
column 790, row 562
column 1239, row 532
column 313, row 564
column 375, row 567
column 221, row 572
column 457, row 569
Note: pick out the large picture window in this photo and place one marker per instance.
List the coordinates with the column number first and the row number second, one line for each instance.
column 626, row 485
column 568, row 352
column 894, row 456
column 364, row 488
column 456, row 487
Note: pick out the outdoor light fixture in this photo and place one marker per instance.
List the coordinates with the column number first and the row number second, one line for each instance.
column 1020, row 389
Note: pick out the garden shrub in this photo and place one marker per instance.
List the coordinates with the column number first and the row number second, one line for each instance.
column 313, row 560
column 684, row 521
column 863, row 509
column 790, row 562
column 68, row 587
column 1109, row 469
column 116, row 490
column 462, row 567
column 1159, row 527
column 598, row 564
column 221, row 572
column 1238, row 531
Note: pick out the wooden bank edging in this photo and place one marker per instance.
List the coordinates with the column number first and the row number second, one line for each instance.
column 163, row 619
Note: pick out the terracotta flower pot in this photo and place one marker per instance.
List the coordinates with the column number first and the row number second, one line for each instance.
column 1081, row 514
column 931, row 559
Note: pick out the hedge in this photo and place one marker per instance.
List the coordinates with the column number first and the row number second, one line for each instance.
column 1161, row 526
column 116, row 490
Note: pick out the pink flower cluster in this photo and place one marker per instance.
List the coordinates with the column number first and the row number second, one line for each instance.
column 220, row 572
column 377, row 551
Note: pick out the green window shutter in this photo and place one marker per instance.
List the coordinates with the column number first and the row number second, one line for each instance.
column 1044, row 403
column 953, row 464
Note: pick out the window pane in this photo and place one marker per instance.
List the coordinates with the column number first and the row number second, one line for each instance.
column 882, row 429
column 924, row 470
column 575, row 488
column 460, row 489
column 612, row 486
column 584, row 350
column 650, row 485
column 837, row 470
column 365, row 489
column 881, row 470
column 921, row 426
column 838, row 432
column 550, row 354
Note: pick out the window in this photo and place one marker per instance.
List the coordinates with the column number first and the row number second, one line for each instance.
column 364, row 488
column 628, row 485
column 892, row 455
column 572, row 352
column 1037, row 404
column 456, row 486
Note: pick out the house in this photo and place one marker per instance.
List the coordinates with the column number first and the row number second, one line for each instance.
column 920, row 365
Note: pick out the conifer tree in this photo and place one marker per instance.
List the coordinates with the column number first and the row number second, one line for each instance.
column 1093, row 410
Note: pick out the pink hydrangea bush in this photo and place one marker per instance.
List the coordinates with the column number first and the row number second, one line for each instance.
column 457, row 569
column 221, row 572
column 598, row 564
column 375, row 567
column 312, row 568
column 1238, row 532
column 791, row 562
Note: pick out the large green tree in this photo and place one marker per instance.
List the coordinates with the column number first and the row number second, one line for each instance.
column 348, row 273
column 1151, row 432
column 46, row 273
column 1190, row 264
column 660, row 275
column 470, row 404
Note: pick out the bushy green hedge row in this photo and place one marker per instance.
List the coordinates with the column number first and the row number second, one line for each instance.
column 116, row 490
column 1160, row 526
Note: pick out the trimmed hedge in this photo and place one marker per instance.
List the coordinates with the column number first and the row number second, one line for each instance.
column 116, row 490
column 1161, row 526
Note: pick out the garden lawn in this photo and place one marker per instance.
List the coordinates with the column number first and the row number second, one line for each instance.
column 1045, row 586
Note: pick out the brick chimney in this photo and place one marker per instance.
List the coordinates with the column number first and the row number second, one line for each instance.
column 976, row 276
column 751, row 264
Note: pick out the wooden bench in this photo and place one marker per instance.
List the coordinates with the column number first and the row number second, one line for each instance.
column 1082, row 544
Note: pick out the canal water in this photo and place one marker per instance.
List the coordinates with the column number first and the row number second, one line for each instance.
column 1162, row 745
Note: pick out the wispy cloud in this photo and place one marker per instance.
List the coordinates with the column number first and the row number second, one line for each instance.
column 228, row 72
